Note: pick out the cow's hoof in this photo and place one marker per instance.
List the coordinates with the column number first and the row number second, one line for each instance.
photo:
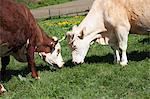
column 35, row 75
column 123, row 63
column 37, row 78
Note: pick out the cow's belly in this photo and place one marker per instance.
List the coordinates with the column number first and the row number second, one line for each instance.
column 139, row 29
column 4, row 50
column 140, row 18
column 19, row 55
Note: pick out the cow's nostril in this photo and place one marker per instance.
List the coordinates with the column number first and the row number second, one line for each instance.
column 56, row 66
column 61, row 67
column 75, row 63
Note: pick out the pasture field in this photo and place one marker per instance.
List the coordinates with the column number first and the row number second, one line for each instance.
column 97, row 78
column 41, row 3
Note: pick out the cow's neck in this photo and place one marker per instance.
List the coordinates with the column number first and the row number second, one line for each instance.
column 93, row 22
column 41, row 36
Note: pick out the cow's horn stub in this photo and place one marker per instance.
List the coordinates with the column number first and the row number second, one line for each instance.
column 55, row 38
column 74, row 28
column 68, row 33
column 63, row 38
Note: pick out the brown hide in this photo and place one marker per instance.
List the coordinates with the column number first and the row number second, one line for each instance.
column 19, row 30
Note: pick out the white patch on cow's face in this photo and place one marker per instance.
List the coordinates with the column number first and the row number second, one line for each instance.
column 79, row 49
column 2, row 89
column 79, row 43
column 54, row 57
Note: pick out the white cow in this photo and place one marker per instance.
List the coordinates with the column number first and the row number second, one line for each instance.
column 109, row 22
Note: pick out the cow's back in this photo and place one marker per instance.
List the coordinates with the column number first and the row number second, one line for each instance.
column 17, row 25
column 139, row 15
column 137, row 12
column 14, row 19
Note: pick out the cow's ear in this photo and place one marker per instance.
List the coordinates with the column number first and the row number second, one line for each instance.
column 39, row 48
column 52, row 44
column 70, row 35
column 81, row 34
column 55, row 39
column 74, row 28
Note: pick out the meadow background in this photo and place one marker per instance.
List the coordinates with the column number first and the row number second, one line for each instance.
column 97, row 78
column 32, row 4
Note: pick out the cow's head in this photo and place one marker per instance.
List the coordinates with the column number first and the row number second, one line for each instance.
column 50, row 51
column 2, row 89
column 79, row 43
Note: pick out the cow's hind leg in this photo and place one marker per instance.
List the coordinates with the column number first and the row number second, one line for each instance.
column 4, row 61
column 116, row 55
column 122, row 34
column 113, row 42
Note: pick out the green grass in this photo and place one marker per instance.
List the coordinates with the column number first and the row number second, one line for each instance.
column 42, row 3
column 97, row 78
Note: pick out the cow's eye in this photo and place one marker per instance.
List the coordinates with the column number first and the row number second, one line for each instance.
column 58, row 51
column 72, row 37
column 74, row 46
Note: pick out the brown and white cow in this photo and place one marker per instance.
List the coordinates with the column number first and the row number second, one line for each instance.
column 21, row 37
column 109, row 22
column 2, row 89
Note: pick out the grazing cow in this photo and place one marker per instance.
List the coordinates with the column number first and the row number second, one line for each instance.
column 2, row 89
column 109, row 22
column 20, row 36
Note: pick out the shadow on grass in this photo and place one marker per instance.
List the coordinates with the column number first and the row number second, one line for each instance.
column 100, row 59
column 145, row 41
column 93, row 59
column 132, row 56
column 69, row 64
column 138, row 56
column 24, row 72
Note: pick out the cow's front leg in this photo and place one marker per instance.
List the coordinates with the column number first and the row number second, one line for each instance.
column 4, row 61
column 124, row 59
column 122, row 33
column 31, row 61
